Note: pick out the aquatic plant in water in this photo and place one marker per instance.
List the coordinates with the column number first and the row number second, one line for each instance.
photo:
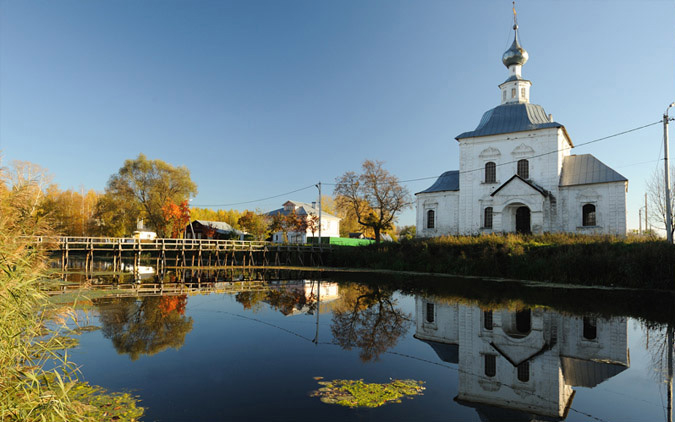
column 356, row 393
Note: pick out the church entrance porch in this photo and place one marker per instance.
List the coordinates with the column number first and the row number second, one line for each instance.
column 523, row 223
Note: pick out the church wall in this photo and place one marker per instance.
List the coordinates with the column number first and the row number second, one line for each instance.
column 610, row 343
column 446, row 210
column 505, row 150
column 546, row 381
column 445, row 325
column 609, row 200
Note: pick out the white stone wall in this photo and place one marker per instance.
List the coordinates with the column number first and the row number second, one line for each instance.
column 446, row 208
column 610, row 207
column 505, row 151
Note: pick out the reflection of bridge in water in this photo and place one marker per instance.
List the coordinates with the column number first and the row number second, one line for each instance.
column 171, row 253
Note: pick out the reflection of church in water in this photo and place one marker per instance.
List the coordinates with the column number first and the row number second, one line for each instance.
column 522, row 363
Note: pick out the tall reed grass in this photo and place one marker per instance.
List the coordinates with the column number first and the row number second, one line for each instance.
column 37, row 380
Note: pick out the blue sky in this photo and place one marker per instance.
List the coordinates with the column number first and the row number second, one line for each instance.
column 258, row 98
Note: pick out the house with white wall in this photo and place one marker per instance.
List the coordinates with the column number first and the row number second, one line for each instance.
column 517, row 174
column 330, row 224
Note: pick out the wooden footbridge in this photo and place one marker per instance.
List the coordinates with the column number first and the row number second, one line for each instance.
column 168, row 253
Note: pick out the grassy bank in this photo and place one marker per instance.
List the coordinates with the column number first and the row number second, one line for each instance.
column 558, row 258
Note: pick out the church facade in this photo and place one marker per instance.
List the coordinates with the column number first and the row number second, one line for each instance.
column 517, row 174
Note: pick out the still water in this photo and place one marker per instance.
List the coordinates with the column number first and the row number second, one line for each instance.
column 254, row 351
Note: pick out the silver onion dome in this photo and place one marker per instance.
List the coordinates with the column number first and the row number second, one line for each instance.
column 515, row 54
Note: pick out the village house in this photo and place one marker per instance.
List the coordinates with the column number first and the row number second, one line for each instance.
column 330, row 224
column 517, row 174
column 217, row 230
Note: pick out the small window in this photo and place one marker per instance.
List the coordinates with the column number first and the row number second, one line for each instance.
column 524, row 372
column 487, row 218
column 431, row 219
column 490, row 365
column 487, row 320
column 590, row 328
column 490, row 172
column 522, row 92
column 513, row 93
column 523, row 169
column 430, row 312
column 524, row 321
column 589, row 215
column 504, row 95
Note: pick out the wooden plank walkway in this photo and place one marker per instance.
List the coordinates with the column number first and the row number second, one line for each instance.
column 183, row 252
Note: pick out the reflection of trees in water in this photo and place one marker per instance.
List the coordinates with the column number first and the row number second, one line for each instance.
column 656, row 343
column 367, row 318
column 285, row 300
column 144, row 326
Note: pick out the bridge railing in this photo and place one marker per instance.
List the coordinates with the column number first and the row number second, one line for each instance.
column 167, row 244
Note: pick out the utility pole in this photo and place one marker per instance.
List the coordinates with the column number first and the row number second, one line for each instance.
column 669, row 216
column 646, row 214
column 670, row 373
column 318, row 185
column 640, row 221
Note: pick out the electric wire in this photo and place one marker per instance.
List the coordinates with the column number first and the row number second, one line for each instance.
column 437, row 176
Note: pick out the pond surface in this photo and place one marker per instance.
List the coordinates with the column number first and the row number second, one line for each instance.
column 254, row 351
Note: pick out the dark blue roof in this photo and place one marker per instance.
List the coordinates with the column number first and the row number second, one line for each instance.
column 448, row 181
column 508, row 118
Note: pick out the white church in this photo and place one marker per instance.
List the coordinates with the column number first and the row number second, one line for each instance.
column 517, row 174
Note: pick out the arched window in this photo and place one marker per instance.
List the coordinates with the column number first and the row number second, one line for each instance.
column 513, row 93
column 588, row 211
column 487, row 218
column 430, row 312
column 524, row 372
column 590, row 328
column 490, row 172
column 487, row 320
column 522, row 92
column 490, row 365
column 524, row 321
column 431, row 219
column 523, row 169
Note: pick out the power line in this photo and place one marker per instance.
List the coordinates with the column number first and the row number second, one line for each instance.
column 545, row 153
column 255, row 200
column 436, row 177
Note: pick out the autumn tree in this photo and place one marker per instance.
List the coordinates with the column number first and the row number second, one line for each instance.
column 255, row 224
column 374, row 196
column 143, row 186
column 71, row 213
column 312, row 223
column 176, row 217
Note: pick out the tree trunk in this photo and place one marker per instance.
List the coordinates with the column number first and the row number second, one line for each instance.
column 377, row 234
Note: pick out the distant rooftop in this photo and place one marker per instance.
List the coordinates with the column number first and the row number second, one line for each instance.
column 302, row 208
column 585, row 170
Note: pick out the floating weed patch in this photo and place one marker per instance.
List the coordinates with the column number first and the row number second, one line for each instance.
column 104, row 406
column 356, row 393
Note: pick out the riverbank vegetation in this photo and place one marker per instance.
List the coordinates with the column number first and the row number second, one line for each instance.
column 37, row 380
column 637, row 262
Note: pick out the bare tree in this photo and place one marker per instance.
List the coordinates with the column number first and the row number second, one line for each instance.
column 656, row 197
column 375, row 196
